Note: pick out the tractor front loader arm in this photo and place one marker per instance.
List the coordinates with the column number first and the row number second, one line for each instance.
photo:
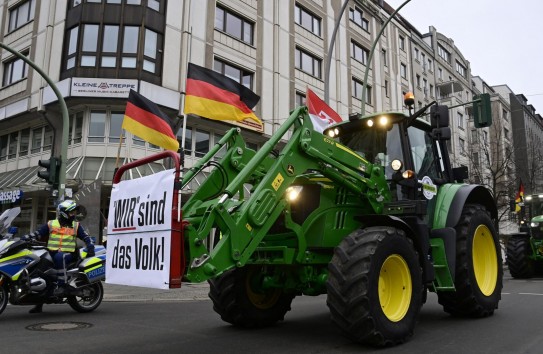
column 243, row 224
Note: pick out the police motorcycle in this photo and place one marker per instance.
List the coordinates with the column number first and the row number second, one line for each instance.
column 27, row 275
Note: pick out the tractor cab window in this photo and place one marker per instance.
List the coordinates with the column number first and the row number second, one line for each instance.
column 422, row 151
column 378, row 145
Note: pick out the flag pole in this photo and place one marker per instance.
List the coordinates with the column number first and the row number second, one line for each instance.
column 118, row 153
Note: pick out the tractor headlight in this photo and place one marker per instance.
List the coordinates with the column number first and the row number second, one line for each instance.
column 396, row 165
column 293, row 192
column 534, row 224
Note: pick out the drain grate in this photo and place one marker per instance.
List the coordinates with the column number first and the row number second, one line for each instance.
column 58, row 326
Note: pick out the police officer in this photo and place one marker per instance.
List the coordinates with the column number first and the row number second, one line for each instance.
column 62, row 244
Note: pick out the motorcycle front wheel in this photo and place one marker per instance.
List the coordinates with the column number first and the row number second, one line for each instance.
column 90, row 300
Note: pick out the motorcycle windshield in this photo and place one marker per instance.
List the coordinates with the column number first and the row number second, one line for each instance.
column 7, row 217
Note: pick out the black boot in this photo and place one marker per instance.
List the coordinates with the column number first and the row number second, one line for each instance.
column 36, row 309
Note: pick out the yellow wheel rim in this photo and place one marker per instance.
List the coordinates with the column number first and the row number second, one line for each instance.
column 261, row 299
column 395, row 288
column 485, row 260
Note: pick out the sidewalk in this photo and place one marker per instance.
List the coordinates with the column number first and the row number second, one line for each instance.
column 114, row 292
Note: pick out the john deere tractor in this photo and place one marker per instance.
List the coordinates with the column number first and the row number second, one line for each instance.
column 525, row 249
column 369, row 213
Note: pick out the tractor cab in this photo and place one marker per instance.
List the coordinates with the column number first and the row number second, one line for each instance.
column 410, row 150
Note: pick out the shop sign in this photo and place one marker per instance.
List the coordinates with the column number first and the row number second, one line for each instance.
column 12, row 196
column 102, row 87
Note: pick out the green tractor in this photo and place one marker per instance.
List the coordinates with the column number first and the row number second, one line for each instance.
column 369, row 213
column 524, row 251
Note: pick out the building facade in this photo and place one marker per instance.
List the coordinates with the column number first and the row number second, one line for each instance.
column 95, row 51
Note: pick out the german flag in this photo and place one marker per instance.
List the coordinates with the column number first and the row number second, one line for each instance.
column 215, row 96
column 144, row 119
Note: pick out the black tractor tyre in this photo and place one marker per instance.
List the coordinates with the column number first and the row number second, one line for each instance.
column 518, row 250
column 239, row 300
column 375, row 286
column 479, row 272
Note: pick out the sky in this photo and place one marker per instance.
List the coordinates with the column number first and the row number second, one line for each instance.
column 502, row 40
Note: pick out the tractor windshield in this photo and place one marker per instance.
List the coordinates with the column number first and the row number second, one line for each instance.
column 377, row 144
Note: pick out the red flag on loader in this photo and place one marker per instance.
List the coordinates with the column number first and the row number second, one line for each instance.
column 144, row 119
column 322, row 115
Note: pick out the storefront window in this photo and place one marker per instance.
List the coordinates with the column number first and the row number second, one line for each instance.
column 25, row 142
column 36, row 140
column 47, row 138
column 97, row 126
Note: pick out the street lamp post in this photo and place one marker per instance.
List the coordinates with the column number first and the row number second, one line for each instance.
column 370, row 56
column 65, row 120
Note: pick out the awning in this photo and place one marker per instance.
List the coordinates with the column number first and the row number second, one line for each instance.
column 79, row 171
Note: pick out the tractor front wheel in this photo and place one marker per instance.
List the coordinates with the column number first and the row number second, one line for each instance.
column 479, row 272
column 375, row 286
column 239, row 298
column 518, row 261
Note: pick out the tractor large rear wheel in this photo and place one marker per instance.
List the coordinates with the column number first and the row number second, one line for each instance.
column 479, row 272
column 375, row 286
column 239, row 298
column 518, row 251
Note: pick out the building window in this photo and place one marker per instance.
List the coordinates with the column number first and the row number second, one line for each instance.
column 384, row 55
column 3, row 147
column 234, row 25
column 359, row 53
column 130, row 47
column 461, row 69
column 242, row 76
column 21, row 15
column 403, row 70
column 115, row 126
column 13, row 142
column 386, row 88
column 15, row 70
column 300, row 99
column 417, row 79
column 150, row 51
column 357, row 91
column 72, row 47
column 36, row 140
column 440, row 73
column 90, row 45
column 460, row 120
column 356, row 15
column 307, row 20
column 308, row 63
column 401, row 42
column 47, row 138
column 76, row 128
column 461, row 146
column 417, row 54
column 97, row 126
column 506, row 133
column 25, row 142
column 505, row 114
column 431, row 90
column 430, row 65
column 202, row 143
column 443, row 53
column 110, row 46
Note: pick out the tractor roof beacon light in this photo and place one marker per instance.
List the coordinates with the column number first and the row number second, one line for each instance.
column 409, row 99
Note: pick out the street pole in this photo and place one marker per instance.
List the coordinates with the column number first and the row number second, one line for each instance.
column 370, row 56
column 65, row 120
column 329, row 51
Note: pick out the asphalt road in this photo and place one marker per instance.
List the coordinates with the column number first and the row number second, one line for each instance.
column 137, row 320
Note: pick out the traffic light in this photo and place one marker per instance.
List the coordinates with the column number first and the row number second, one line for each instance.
column 482, row 113
column 52, row 167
